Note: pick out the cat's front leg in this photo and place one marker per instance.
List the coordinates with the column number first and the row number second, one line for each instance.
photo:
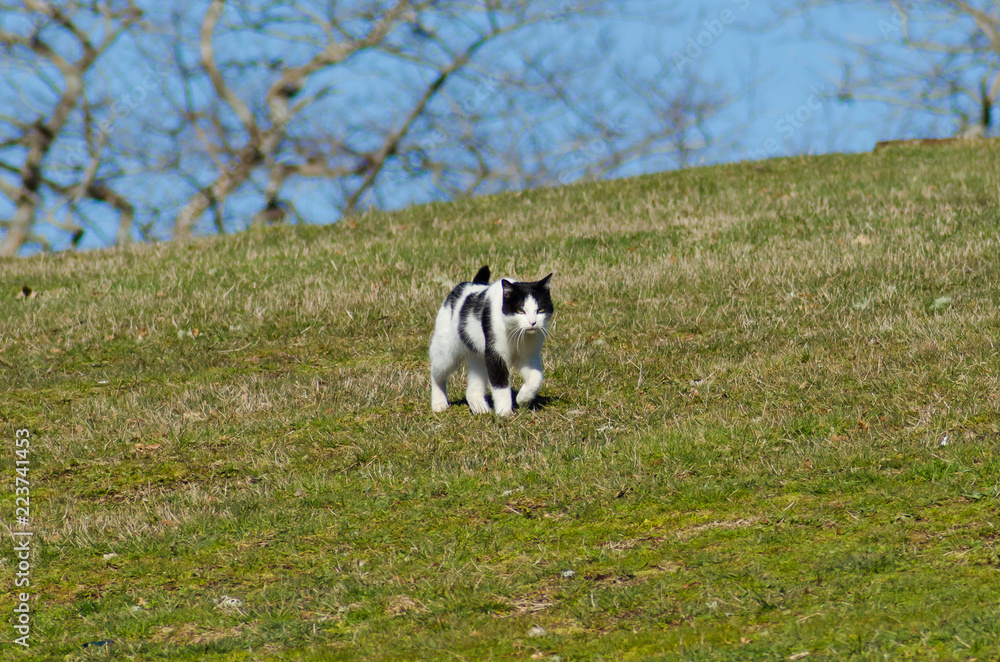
column 475, row 392
column 531, row 374
column 499, row 376
column 502, row 401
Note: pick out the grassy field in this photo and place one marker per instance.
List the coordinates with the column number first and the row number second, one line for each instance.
column 768, row 429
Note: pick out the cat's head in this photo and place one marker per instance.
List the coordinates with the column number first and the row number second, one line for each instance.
column 527, row 307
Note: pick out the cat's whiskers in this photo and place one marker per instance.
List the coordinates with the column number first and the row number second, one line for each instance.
column 516, row 335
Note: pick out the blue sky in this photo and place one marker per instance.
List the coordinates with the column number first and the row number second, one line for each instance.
column 790, row 109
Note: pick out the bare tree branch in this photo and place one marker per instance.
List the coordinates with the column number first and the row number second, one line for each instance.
column 391, row 144
column 218, row 82
column 39, row 137
column 933, row 58
column 385, row 103
column 261, row 144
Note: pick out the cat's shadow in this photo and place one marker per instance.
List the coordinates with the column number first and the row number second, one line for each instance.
column 540, row 403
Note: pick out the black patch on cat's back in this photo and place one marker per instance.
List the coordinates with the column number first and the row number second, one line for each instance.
column 471, row 312
column 455, row 295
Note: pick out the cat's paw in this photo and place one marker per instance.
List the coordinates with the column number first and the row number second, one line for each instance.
column 438, row 405
column 504, row 411
column 479, row 406
column 502, row 401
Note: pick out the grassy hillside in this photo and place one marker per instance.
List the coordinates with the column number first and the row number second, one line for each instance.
column 769, row 429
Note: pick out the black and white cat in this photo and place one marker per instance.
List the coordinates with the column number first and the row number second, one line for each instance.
column 495, row 329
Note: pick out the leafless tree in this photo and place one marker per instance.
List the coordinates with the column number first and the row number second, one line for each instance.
column 50, row 55
column 271, row 111
column 930, row 58
column 466, row 96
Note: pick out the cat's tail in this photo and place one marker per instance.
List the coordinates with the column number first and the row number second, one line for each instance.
column 482, row 276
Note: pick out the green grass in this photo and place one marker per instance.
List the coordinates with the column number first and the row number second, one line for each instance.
column 738, row 454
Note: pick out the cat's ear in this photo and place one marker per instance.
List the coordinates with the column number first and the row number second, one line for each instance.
column 544, row 283
column 508, row 288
